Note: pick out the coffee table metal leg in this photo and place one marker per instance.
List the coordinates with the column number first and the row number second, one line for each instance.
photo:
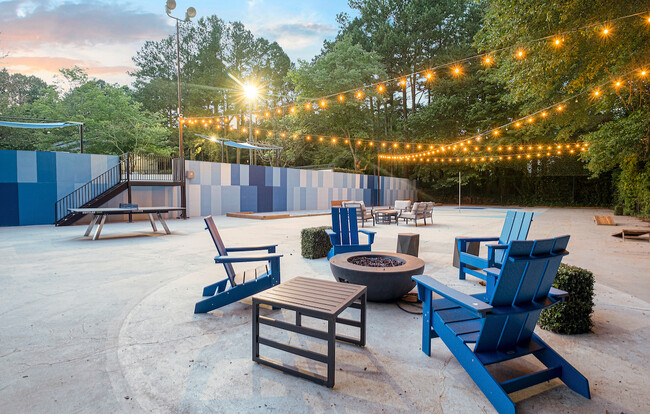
column 100, row 227
column 331, row 350
column 362, row 336
column 256, row 330
column 164, row 224
column 153, row 224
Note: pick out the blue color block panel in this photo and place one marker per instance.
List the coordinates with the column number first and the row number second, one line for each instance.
column 230, row 199
column 216, row 174
column 73, row 168
column 283, row 177
column 248, row 198
column 46, row 167
column 26, row 167
column 206, row 200
column 234, row 174
column 9, row 205
column 36, row 203
column 279, row 199
column 8, row 167
column 256, row 175
column 243, row 174
column 264, row 199
column 158, row 196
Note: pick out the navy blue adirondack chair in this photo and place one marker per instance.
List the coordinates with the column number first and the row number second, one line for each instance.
column 229, row 290
column 515, row 227
column 345, row 232
column 501, row 321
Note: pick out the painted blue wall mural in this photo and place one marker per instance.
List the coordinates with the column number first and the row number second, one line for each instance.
column 32, row 181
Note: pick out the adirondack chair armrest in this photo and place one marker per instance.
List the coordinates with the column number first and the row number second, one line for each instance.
column 370, row 234
column 492, row 248
column 557, row 293
column 333, row 236
column 242, row 259
column 462, row 299
column 268, row 247
column 477, row 239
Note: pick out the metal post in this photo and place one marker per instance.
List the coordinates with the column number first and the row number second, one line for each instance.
column 459, row 191
column 250, row 133
column 378, row 180
column 181, row 153
column 81, row 137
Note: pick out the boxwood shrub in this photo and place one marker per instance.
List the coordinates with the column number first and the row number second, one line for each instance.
column 314, row 242
column 573, row 316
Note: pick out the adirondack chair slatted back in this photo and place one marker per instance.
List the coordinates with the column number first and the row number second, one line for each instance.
column 515, row 227
column 344, row 224
column 521, row 292
column 221, row 248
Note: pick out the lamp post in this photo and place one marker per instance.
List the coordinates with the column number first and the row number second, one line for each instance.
column 190, row 13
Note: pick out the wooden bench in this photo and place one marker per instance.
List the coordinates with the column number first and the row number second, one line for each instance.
column 320, row 299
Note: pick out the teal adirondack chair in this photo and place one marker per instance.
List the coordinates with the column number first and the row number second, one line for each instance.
column 500, row 322
column 229, row 290
column 515, row 227
column 344, row 235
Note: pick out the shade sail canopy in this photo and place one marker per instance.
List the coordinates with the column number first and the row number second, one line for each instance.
column 244, row 145
column 38, row 125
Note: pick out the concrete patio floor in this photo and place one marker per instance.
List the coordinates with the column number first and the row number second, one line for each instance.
column 107, row 326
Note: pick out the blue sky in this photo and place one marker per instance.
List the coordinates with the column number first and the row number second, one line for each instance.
column 41, row 36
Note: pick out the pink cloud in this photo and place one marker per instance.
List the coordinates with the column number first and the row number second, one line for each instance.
column 31, row 65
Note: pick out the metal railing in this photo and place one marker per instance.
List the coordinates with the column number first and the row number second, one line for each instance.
column 148, row 167
column 84, row 194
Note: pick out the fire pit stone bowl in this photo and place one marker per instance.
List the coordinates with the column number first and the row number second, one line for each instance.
column 384, row 284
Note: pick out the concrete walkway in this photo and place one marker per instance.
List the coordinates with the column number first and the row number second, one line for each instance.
column 107, row 325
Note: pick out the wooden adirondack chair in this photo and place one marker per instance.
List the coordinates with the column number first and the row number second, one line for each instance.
column 345, row 232
column 515, row 227
column 229, row 290
column 501, row 321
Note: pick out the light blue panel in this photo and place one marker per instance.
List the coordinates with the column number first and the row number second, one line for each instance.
column 320, row 178
column 344, row 181
column 330, row 195
column 8, row 167
column 215, row 198
column 314, row 179
column 98, row 164
column 226, row 174
column 290, row 199
column 296, row 198
column 293, row 178
column 230, row 196
column 311, row 198
column 303, row 198
column 277, row 177
column 268, row 176
column 73, row 168
column 194, row 166
column 206, row 173
column 26, row 168
column 215, row 175
column 206, row 199
column 158, row 197
column 243, row 175
column 142, row 196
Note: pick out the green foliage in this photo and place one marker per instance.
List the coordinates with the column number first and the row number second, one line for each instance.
column 314, row 242
column 573, row 316
column 114, row 122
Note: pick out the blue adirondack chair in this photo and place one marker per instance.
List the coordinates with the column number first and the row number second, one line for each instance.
column 501, row 321
column 228, row 290
column 515, row 227
column 345, row 232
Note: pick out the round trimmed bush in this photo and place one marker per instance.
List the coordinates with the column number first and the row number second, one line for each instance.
column 314, row 242
column 573, row 316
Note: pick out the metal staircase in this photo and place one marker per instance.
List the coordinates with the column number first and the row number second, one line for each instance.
column 132, row 170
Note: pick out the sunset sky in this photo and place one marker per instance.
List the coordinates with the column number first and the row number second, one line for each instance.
column 41, row 36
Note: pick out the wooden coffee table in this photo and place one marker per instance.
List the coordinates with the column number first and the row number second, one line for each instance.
column 320, row 299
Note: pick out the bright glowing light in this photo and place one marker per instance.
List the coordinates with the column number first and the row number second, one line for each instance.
column 457, row 71
column 429, row 75
column 560, row 107
column 359, row 95
column 487, row 60
column 250, row 92
column 341, row 98
column 322, row 104
column 520, row 54
column 606, row 31
column 596, row 93
column 402, row 82
column 557, row 42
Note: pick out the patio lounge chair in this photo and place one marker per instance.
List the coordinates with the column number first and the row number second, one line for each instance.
column 416, row 213
column 402, row 205
column 345, row 232
column 230, row 290
column 515, row 227
column 363, row 214
column 501, row 322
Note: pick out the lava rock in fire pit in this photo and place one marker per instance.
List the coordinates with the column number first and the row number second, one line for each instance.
column 375, row 261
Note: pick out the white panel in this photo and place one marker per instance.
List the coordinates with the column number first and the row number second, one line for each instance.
column 194, row 200
column 276, row 177
column 303, row 178
column 243, row 175
column 225, row 174
column 323, row 202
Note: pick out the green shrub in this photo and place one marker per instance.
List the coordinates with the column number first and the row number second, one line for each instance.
column 314, row 242
column 618, row 210
column 573, row 316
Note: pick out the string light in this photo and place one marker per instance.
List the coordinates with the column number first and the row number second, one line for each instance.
column 521, row 54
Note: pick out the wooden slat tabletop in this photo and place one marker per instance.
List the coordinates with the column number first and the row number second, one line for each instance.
column 312, row 295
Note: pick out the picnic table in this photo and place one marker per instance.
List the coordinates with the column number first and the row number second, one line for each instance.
column 100, row 214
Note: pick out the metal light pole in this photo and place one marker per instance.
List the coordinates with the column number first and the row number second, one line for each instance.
column 190, row 13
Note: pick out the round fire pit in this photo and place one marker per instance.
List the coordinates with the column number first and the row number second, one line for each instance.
column 387, row 275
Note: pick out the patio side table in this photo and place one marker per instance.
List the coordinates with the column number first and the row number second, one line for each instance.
column 320, row 299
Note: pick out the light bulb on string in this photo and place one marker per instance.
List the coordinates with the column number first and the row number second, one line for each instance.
column 341, row 98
